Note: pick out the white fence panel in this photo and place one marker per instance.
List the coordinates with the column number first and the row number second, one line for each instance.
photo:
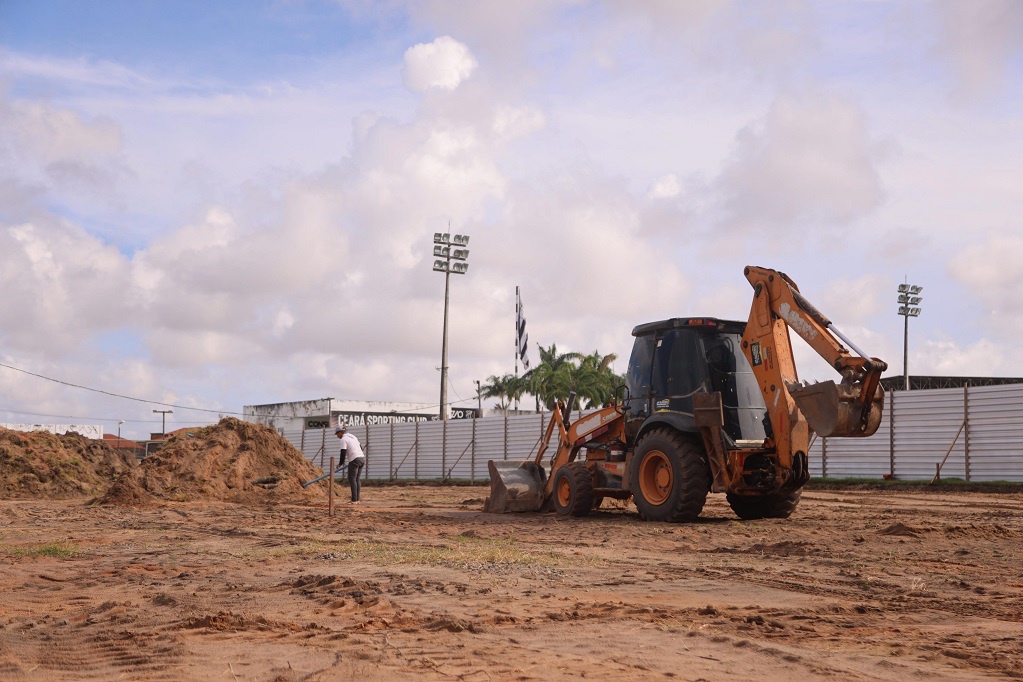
column 926, row 424
column 459, row 450
column 430, row 450
column 854, row 457
column 310, row 443
column 524, row 431
column 490, row 437
column 995, row 433
column 403, row 458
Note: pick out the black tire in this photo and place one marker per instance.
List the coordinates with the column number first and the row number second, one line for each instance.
column 669, row 477
column 779, row 506
column 573, row 490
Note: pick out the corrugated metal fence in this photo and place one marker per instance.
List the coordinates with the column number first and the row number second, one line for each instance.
column 978, row 432
column 458, row 448
column 974, row 433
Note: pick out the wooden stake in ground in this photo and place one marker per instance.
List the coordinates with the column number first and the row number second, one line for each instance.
column 937, row 473
column 330, row 489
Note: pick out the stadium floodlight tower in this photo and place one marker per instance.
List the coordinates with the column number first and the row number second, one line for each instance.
column 909, row 302
column 450, row 254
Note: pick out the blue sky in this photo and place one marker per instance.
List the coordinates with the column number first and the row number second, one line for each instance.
column 229, row 41
column 227, row 203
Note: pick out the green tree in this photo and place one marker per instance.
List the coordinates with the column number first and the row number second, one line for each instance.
column 506, row 389
column 594, row 380
column 551, row 380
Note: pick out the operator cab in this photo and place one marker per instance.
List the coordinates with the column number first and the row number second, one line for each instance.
column 674, row 359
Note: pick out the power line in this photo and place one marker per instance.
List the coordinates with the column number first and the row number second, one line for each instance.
column 156, row 402
column 118, row 395
column 71, row 416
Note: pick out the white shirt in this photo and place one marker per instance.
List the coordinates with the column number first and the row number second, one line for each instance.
column 351, row 443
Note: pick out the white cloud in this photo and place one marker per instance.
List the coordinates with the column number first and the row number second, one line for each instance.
column 70, row 72
column 944, row 357
column 59, row 284
column 857, row 299
column 811, row 160
column 503, row 31
column 442, row 64
column 51, row 135
column 981, row 38
column 993, row 268
column 57, row 146
column 665, row 187
column 283, row 321
column 511, row 122
column 993, row 273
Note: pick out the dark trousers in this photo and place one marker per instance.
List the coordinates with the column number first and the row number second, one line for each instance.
column 354, row 473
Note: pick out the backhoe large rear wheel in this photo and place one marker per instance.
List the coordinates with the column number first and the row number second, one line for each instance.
column 779, row 506
column 670, row 477
column 573, row 490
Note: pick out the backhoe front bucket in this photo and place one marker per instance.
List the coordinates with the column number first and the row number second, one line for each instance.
column 835, row 409
column 515, row 487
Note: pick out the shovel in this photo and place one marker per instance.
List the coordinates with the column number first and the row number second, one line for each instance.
column 320, row 478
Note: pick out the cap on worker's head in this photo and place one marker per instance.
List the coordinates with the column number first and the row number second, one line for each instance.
column 340, row 427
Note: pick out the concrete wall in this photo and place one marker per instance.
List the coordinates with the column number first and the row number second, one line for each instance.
column 94, row 431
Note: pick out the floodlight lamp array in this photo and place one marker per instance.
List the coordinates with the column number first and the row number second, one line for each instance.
column 456, row 268
column 446, row 238
column 909, row 300
column 448, row 252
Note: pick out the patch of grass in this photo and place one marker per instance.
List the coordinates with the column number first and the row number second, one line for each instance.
column 945, row 484
column 60, row 550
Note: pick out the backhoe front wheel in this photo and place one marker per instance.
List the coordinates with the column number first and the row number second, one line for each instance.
column 670, row 477
column 573, row 490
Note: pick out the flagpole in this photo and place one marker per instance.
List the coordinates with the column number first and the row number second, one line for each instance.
column 521, row 339
column 517, row 313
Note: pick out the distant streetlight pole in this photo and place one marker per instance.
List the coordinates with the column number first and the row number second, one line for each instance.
column 119, row 434
column 908, row 302
column 164, row 413
column 446, row 249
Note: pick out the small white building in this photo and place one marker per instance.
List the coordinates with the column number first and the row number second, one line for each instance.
column 325, row 413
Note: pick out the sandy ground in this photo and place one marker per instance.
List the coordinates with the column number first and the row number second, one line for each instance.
column 419, row 583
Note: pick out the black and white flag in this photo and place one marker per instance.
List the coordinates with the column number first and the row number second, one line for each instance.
column 521, row 337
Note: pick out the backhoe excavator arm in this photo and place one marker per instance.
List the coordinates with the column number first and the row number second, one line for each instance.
column 852, row 408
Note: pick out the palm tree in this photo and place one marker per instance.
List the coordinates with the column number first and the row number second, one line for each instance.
column 595, row 381
column 552, row 380
column 506, row 389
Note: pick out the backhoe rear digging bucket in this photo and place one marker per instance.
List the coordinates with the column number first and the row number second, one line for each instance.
column 515, row 486
column 834, row 409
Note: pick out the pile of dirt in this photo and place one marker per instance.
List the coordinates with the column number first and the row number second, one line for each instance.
column 233, row 461
column 38, row 464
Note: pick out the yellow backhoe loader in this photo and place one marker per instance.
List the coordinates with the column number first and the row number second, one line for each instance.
column 710, row 405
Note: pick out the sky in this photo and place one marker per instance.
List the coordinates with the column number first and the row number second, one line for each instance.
column 206, row 205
